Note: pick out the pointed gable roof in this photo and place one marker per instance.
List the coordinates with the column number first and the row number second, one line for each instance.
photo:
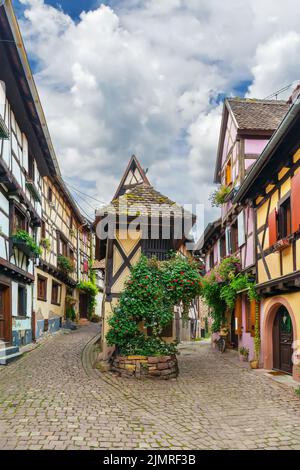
column 134, row 175
column 251, row 116
column 136, row 197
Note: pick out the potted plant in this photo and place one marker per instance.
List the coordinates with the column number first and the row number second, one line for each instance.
column 65, row 264
column 244, row 353
column 282, row 244
column 25, row 243
column 45, row 243
column 254, row 364
column 219, row 196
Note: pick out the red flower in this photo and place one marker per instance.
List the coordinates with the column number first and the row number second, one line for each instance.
column 181, row 272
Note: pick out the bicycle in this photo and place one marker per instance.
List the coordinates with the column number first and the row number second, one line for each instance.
column 221, row 342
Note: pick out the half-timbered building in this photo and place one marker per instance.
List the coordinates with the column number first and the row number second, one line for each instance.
column 144, row 231
column 26, row 154
column 246, row 127
column 273, row 189
column 67, row 241
column 36, row 209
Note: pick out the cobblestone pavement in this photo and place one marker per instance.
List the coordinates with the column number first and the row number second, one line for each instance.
column 48, row 401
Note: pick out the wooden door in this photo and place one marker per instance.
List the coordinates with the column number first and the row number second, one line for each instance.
column 234, row 340
column 5, row 317
column 83, row 305
column 282, row 341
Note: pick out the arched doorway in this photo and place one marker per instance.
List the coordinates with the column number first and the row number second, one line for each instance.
column 282, row 341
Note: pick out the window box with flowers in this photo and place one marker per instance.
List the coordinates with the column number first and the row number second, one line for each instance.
column 219, row 196
column 282, row 244
column 65, row 264
column 25, row 243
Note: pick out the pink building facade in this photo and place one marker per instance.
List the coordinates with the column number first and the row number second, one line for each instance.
column 245, row 130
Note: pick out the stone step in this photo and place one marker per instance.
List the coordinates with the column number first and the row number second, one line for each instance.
column 8, row 351
column 9, row 358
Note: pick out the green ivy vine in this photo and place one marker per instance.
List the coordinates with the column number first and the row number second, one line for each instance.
column 150, row 294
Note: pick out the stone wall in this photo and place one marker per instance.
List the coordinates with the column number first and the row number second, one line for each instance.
column 158, row 367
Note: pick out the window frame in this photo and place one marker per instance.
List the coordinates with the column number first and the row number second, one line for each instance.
column 59, row 289
column 22, row 314
column 284, row 226
column 19, row 213
column 234, row 242
column 45, row 281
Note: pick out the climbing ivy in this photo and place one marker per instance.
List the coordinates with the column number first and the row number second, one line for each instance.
column 221, row 286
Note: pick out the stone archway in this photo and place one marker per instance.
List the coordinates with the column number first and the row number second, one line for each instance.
column 267, row 329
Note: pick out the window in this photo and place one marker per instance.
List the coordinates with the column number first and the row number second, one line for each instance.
column 22, row 301
column 42, row 288
column 248, row 313
column 43, row 229
column 55, row 294
column 222, row 247
column 228, row 173
column 284, row 219
column 31, row 167
column 50, row 195
column 19, row 221
column 211, row 259
column 234, row 238
column 160, row 248
column 62, row 247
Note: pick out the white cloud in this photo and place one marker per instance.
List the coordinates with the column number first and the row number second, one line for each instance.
column 143, row 76
column 276, row 61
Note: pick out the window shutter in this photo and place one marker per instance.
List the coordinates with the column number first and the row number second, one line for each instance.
column 219, row 250
column 238, row 315
column 252, row 317
column 85, row 266
column 295, row 202
column 25, row 313
column 241, row 229
column 272, row 222
column 228, row 241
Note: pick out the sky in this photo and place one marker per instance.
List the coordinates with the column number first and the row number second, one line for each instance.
column 147, row 77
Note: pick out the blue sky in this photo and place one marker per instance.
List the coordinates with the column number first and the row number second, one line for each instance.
column 148, row 77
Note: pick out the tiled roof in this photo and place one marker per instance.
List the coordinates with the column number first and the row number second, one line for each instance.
column 139, row 201
column 99, row 264
column 253, row 114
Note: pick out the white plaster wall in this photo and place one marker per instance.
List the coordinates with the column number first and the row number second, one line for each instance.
column 14, row 298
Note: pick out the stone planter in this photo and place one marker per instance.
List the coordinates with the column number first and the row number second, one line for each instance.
column 157, row 367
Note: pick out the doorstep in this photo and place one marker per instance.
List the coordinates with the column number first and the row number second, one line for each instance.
column 282, row 378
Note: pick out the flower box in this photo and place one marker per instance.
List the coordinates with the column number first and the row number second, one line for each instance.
column 282, row 244
column 23, row 242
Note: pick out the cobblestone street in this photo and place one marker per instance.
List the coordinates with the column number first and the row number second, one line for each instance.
column 49, row 401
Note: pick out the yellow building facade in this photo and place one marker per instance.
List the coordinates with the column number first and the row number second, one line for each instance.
column 273, row 189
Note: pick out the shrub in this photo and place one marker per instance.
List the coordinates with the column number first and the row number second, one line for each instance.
column 151, row 292
column 70, row 313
